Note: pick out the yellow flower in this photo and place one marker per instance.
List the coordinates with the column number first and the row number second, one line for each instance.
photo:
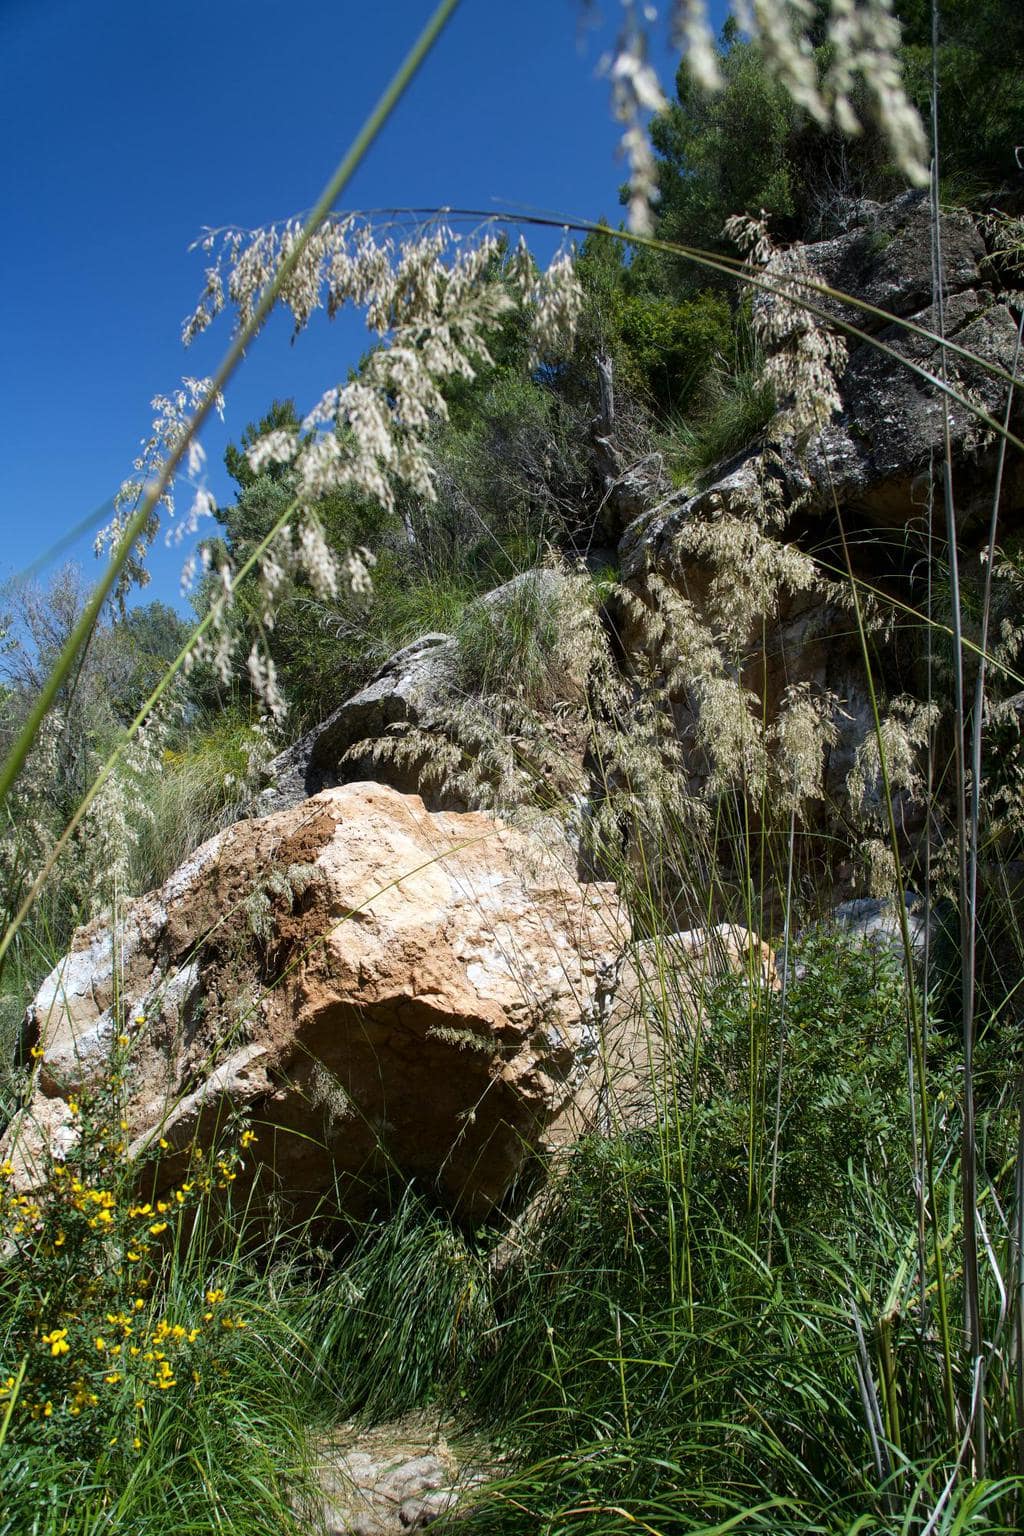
column 214, row 1296
column 100, row 1343
column 60, row 1239
column 137, row 1444
column 58, row 1341
column 163, row 1144
column 247, row 1138
column 37, row 1053
column 158, row 1227
column 73, row 1106
column 112, row 1377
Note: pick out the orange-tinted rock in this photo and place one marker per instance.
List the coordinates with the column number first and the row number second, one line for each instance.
column 382, row 990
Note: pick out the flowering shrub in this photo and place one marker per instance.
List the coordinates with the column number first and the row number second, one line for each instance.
column 97, row 1335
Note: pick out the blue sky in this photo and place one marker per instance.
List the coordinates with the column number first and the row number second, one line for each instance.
column 128, row 127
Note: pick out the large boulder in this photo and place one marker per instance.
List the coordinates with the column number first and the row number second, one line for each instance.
column 379, row 989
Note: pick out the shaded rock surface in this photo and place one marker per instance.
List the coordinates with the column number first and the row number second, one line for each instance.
column 400, row 695
column 381, row 989
column 657, row 1007
column 892, row 422
column 877, row 462
column 876, row 921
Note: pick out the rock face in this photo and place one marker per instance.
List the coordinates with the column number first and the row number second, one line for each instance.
column 399, row 695
column 381, row 989
column 868, row 458
column 647, row 1038
column 875, row 921
column 878, row 462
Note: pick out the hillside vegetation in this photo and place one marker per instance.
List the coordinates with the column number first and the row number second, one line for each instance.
column 754, row 652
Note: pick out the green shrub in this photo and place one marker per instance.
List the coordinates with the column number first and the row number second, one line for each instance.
column 841, row 1049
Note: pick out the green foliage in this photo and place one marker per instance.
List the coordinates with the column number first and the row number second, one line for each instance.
column 282, row 415
column 726, row 153
column 519, row 642
column 735, row 405
column 653, row 1366
column 405, row 1315
column 673, row 347
column 206, row 778
column 981, row 90
column 139, row 1353
column 117, row 672
column 661, row 344
column 844, row 1102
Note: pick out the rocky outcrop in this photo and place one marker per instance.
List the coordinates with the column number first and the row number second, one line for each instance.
column 378, row 989
column 401, row 694
column 869, row 458
column 876, row 922
column 867, row 487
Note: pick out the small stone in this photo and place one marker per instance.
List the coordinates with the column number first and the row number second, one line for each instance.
column 416, row 1514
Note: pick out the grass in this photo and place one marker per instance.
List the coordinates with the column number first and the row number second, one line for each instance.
column 668, row 1339
column 735, row 406
column 740, row 1312
column 518, row 643
column 231, row 1453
